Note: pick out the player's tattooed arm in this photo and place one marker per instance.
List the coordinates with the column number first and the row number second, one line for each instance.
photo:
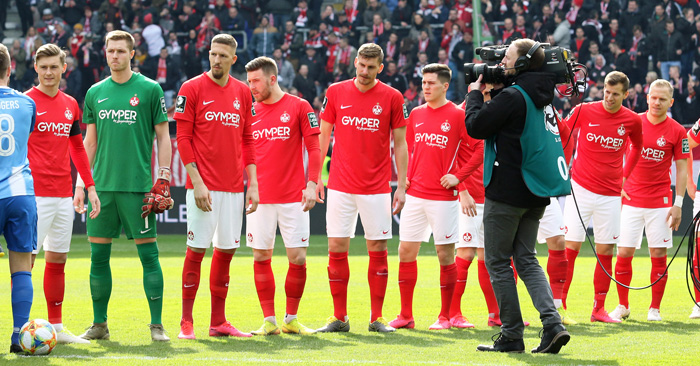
column 202, row 197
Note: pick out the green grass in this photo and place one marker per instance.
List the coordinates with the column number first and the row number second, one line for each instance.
column 634, row 342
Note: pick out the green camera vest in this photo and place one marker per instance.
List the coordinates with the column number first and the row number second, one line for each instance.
column 544, row 168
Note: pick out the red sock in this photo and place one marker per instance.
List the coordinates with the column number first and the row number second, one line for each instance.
column 462, row 272
column 54, row 288
column 696, row 270
column 556, row 269
column 265, row 285
column 601, row 281
column 377, row 276
column 515, row 272
column 487, row 289
column 658, row 266
column 570, row 262
column 190, row 282
column 294, row 286
column 448, row 277
column 408, row 274
column 218, row 285
column 623, row 274
column 338, row 276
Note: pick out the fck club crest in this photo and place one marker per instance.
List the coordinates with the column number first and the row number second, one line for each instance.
column 661, row 141
column 285, row 117
column 467, row 237
column 237, row 104
column 134, row 101
column 621, row 130
column 377, row 109
column 445, row 126
column 68, row 114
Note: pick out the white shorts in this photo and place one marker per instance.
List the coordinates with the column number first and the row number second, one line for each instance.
column 635, row 220
column 261, row 226
column 471, row 229
column 696, row 204
column 221, row 225
column 552, row 222
column 419, row 216
column 374, row 209
column 604, row 210
column 54, row 223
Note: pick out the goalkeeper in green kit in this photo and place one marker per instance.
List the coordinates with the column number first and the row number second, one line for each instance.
column 123, row 113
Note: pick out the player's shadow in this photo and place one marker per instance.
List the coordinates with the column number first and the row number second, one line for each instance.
column 558, row 359
column 100, row 348
column 632, row 325
column 270, row 344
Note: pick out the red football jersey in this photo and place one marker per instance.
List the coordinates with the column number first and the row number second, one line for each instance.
column 213, row 130
column 602, row 138
column 278, row 130
column 49, row 153
column 434, row 137
column 649, row 185
column 361, row 160
column 471, row 155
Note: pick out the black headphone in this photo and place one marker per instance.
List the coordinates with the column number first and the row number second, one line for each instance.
column 523, row 62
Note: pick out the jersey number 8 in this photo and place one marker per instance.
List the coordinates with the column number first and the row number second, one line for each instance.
column 7, row 127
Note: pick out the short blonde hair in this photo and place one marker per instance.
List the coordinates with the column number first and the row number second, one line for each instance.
column 50, row 50
column 119, row 35
column 661, row 83
column 370, row 51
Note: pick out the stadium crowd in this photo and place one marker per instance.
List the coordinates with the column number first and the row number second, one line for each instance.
column 315, row 42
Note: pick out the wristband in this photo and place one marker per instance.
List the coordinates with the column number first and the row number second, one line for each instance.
column 79, row 182
column 164, row 173
column 678, row 202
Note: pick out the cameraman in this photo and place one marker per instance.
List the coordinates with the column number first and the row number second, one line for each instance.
column 522, row 153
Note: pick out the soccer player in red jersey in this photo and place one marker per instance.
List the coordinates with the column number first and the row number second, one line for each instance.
column 215, row 140
column 365, row 114
column 604, row 129
column 646, row 199
column 55, row 141
column 694, row 141
column 434, row 134
column 280, row 124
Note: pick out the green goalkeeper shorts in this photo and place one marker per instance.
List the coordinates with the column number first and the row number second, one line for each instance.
column 121, row 209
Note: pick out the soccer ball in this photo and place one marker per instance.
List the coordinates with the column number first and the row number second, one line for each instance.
column 37, row 337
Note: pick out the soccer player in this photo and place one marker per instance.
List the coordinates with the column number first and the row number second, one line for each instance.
column 124, row 113
column 55, row 141
column 604, row 129
column 365, row 113
column 17, row 203
column 694, row 141
column 435, row 132
column 646, row 200
column 281, row 122
column 215, row 140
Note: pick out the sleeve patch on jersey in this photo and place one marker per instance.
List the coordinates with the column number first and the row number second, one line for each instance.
column 313, row 122
column 180, row 104
column 252, row 110
column 686, row 146
column 162, row 105
column 325, row 101
column 405, row 111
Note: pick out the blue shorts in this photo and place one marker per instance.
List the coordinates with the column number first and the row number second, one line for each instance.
column 18, row 223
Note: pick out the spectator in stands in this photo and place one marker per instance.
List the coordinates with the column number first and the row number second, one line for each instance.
column 427, row 46
column 593, row 52
column 374, row 7
column 632, row 16
column 391, row 48
column 509, row 33
column 599, row 69
column 281, row 11
column 303, row 17
column 614, row 34
column 650, row 77
column 315, row 66
column 452, row 19
column 669, row 47
column 686, row 26
column 234, row 21
column 579, row 45
column 692, row 107
column 657, row 22
column 419, row 24
column 377, row 28
column 562, row 35
column 187, row 19
column 353, row 13
column 191, row 56
column 285, row 74
column 72, row 11
column 91, row 22
column 609, row 10
column 60, row 35
column 304, row 84
column 417, row 74
column 264, row 40
column 292, row 42
column 47, row 25
column 328, row 16
column 620, row 61
column 593, row 27
column 173, row 45
column 547, row 18
column 638, row 51
column 133, row 18
column 461, row 54
column 391, row 76
column 53, row 6
column 153, row 36
column 680, row 92
column 464, row 11
column 18, row 78
column 519, row 9
column 402, row 15
column 635, row 101
column 163, row 69
column 424, row 9
column 74, row 81
column 440, row 13
column 538, row 33
column 450, row 40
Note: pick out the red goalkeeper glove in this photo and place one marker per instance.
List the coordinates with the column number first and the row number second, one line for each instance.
column 162, row 185
column 155, row 203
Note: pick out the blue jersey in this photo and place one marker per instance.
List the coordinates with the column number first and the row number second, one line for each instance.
column 17, row 117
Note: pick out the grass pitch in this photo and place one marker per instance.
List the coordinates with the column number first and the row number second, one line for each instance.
column 633, row 342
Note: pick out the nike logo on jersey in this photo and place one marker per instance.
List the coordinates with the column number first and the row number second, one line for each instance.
column 145, row 231
column 615, row 237
column 667, row 240
column 256, row 122
column 155, row 298
column 238, row 241
column 419, row 124
column 384, row 232
column 41, row 113
column 101, row 100
column 593, row 125
column 209, row 102
column 562, row 227
column 304, row 239
column 345, row 106
column 448, row 236
column 188, row 286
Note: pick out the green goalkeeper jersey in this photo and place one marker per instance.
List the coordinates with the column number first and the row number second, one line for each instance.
column 125, row 116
